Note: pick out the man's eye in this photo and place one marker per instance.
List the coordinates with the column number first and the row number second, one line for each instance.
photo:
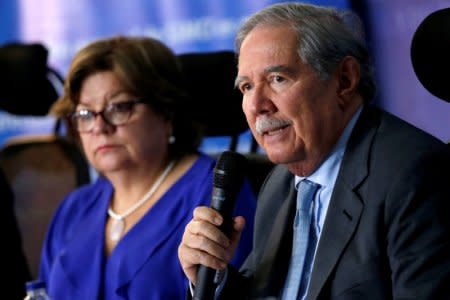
column 245, row 87
column 278, row 78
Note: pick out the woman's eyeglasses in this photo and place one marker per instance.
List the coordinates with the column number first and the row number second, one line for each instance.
column 115, row 114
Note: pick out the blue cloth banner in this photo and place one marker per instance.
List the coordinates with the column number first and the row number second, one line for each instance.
column 64, row 27
column 209, row 25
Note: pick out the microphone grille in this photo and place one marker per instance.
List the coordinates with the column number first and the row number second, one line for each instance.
column 230, row 170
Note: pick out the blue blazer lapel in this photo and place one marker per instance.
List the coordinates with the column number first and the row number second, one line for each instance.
column 346, row 204
column 144, row 240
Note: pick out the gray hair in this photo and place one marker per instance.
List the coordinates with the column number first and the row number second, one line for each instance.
column 325, row 36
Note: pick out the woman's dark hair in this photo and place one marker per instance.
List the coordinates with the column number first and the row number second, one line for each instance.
column 148, row 70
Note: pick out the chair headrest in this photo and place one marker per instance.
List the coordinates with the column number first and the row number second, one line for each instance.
column 430, row 49
column 210, row 81
column 24, row 86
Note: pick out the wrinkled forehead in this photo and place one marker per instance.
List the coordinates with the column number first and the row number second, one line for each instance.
column 268, row 49
column 278, row 42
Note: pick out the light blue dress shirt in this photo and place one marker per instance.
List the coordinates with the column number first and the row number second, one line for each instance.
column 326, row 176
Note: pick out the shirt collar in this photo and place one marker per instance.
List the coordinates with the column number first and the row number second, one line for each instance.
column 328, row 170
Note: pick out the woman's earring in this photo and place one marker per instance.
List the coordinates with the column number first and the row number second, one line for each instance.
column 171, row 140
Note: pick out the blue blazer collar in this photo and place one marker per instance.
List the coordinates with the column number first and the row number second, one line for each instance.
column 84, row 262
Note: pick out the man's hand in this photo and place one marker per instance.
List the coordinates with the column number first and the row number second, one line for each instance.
column 203, row 243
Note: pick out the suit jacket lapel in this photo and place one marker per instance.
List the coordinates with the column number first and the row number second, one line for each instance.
column 346, row 205
column 272, row 270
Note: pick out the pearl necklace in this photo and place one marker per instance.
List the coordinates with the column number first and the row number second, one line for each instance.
column 118, row 224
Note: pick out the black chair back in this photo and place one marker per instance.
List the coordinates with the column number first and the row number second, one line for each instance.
column 217, row 105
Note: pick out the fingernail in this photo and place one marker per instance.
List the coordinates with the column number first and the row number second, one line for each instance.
column 217, row 220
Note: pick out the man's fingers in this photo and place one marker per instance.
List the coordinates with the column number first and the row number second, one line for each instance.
column 238, row 223
column 191, row 258
column 203, row 243
column 209, row 231
column 208, row 214
column 238, row 227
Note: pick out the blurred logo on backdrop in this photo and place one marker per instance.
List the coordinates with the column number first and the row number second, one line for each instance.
column 64, row 28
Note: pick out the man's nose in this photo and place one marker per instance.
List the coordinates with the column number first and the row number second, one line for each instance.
column 259, row 100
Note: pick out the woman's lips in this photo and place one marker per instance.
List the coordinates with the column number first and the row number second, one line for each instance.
column 105, row 147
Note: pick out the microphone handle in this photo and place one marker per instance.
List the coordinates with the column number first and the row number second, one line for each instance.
column 205, row 288
column 223, row 202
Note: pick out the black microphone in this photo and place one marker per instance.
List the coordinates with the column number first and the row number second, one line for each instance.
column 228, row 178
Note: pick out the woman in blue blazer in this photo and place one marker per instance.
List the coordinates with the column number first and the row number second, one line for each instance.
column 117, row 238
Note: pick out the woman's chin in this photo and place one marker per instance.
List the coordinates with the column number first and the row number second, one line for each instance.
column 108, row 166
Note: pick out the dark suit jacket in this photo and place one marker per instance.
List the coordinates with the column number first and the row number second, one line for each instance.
column 387, row 229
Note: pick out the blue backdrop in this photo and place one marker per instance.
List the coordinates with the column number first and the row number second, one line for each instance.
column 64, row 27
column 392, row 25
column 205, row 25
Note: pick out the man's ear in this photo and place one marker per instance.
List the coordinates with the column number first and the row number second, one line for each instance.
column 348, row 75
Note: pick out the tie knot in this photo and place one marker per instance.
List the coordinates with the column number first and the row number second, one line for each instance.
column 306, row 190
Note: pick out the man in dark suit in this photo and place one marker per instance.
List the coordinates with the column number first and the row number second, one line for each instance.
column 379, row 218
